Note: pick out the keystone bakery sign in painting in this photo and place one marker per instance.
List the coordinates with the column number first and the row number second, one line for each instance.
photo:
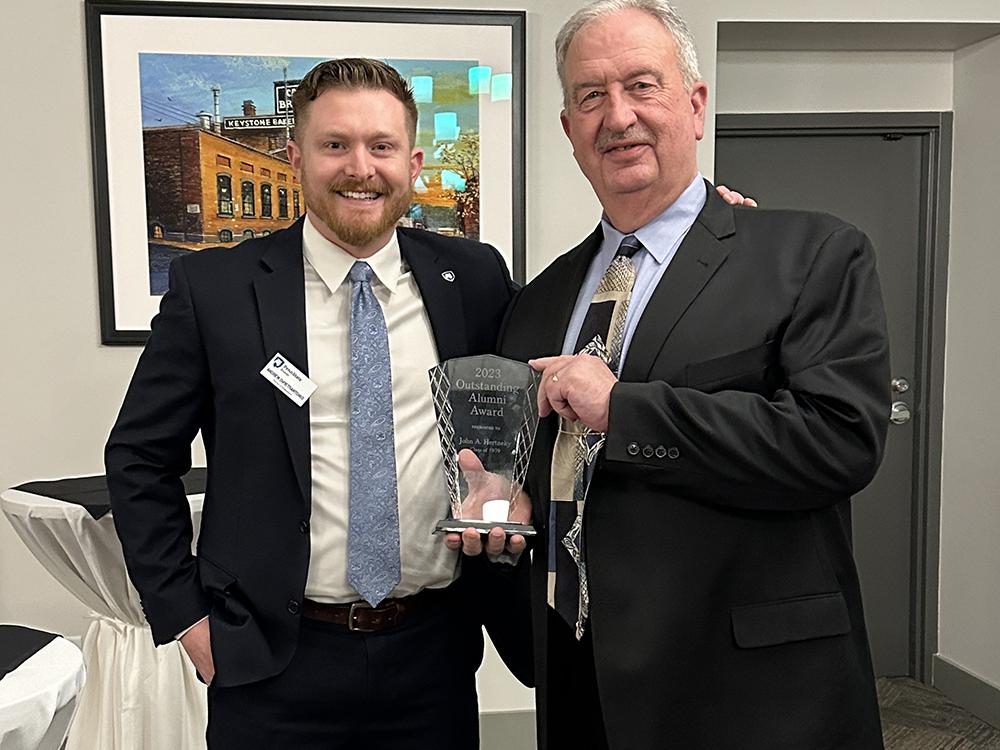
column 213, row 94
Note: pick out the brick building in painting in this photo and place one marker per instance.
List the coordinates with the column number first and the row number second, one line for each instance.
column 203, row 188
column 225, row 180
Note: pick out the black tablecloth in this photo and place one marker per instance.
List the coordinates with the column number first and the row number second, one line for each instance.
column 18, row 644
column 92, row 492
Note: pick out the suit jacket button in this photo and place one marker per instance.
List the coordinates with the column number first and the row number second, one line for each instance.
column 304, row 526
column 633, row 449
column 660, row 451
column 674, row 452
column 647, row 451
column 293, row 607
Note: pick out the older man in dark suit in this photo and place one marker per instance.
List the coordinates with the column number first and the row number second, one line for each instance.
column 694, row 585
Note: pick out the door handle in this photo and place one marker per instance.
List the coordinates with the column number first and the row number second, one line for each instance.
column 900, row 412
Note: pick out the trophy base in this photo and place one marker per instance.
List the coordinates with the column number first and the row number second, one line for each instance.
column 458, row 525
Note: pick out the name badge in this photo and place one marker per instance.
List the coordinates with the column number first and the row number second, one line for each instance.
column 288, row 379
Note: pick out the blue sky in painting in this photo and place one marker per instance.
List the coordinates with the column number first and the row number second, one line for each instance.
column 175, row 87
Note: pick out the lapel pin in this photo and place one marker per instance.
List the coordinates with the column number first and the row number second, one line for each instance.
column 448, row 276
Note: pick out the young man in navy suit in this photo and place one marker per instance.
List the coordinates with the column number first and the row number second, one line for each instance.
column 319, row 608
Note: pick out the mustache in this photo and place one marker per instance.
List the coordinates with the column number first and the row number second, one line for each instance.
column 611, row 139
column 359, row 186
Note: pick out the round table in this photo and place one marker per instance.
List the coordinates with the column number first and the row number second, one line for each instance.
column 38, row 697
column 136, row 695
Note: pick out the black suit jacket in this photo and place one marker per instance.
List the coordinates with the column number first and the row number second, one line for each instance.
column 725, row 607
column 227, row 312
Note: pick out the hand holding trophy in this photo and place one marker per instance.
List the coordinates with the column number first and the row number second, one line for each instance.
column 484, row 487
column 486, row 490
column 487, row 415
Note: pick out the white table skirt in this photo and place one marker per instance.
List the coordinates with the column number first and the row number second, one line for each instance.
column 137, row 697
column 38, row 698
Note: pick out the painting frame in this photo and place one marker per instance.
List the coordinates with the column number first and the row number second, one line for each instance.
column 119, row 288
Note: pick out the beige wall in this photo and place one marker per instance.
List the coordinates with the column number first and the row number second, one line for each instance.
column 798, row 81
column 969, row 633
column 48, row 294
column 57, row 413
column 969, row 626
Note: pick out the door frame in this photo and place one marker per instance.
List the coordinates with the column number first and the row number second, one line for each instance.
column 932, row 289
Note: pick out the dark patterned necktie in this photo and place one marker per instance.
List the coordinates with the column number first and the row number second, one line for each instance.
column 576, row 446
column 373, row 567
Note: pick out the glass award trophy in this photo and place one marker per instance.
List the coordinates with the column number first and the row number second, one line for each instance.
column 487, row 413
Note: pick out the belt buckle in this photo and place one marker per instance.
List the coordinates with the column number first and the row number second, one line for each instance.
column 351, row 625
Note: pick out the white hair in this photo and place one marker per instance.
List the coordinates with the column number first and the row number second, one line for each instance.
column 663, row 11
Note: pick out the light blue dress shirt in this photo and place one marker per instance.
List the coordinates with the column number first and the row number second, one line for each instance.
column 660, row 239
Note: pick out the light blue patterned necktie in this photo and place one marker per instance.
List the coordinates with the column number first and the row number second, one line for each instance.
column 373, row 529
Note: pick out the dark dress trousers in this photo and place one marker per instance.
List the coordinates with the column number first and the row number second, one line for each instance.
column 725, row 609
column 227, row 312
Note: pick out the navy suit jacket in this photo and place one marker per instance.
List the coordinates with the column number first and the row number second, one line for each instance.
column 226, row 313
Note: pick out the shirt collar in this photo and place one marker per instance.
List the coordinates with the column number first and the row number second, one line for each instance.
column 661, row 233
column 333, row 263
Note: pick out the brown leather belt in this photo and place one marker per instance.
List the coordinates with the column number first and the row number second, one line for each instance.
column 361, row 617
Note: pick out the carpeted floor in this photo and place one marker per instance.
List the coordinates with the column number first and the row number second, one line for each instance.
column 918, row 717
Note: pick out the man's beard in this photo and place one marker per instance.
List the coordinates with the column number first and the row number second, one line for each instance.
column 349, row 228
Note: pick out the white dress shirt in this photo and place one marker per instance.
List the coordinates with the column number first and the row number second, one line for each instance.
column 423, row 500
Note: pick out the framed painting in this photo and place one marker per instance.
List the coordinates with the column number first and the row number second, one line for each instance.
column 191, row 111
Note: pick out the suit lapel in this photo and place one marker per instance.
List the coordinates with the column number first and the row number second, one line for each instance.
column 555, row 308
column 558, row 303
column 442, row 298
column 696, row 261
column 281, row 305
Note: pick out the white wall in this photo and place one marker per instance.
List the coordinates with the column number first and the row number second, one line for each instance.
column 799, row 81
column 56, row 415
column 969, row 632
column 969, row 627
column 58, row 408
